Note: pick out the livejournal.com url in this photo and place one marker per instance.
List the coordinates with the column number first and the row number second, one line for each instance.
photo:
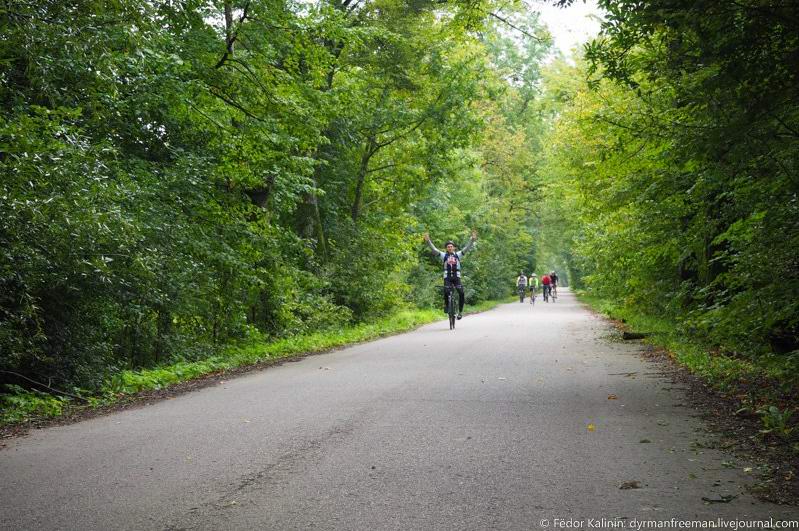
column 669, row 523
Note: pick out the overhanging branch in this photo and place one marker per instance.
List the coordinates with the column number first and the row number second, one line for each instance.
column 517, row 28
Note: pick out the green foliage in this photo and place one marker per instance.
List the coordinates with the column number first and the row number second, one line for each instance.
column 18, row 404
column 177, row 177
column 674, row 168
column 777, row 422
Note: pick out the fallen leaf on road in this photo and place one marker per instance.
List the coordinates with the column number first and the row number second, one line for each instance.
column 627, row 485
column 613, row 397
column 644, row 441
column 591, row 427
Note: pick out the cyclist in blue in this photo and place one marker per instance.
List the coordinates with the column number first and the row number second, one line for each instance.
column 452, row 267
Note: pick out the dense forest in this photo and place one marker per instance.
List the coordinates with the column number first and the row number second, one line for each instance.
column 675, row 168
column 178, row 176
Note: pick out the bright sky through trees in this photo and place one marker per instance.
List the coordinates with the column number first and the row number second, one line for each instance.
column 570, row 26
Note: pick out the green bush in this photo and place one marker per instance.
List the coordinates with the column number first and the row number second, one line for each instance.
column 18, row 404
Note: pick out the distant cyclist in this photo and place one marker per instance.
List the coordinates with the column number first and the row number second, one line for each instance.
column 452, row 267
column 533, row 283
column 553, row 276
column 521, row 285
column 546, row 282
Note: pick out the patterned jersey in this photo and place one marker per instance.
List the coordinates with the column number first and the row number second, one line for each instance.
column 452, row 261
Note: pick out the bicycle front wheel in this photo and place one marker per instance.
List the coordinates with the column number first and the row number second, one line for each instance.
column 452, row 311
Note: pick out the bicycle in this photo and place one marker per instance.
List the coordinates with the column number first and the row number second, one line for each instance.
column 521, row 290
column 532, row 296
column 554, row 293
column 452, row 306
column 546, row 292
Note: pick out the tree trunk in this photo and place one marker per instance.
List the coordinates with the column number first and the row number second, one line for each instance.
column 370, row 150
column 309, row 220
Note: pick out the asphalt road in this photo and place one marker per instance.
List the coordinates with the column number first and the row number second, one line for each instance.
column 504, row 423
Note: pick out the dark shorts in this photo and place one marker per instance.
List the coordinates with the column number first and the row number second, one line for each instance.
column 453, row 282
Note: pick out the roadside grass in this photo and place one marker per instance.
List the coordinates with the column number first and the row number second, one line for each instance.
column 21, row 405
column 765, row 386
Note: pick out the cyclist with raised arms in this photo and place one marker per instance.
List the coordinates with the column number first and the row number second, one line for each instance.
column 452, row 267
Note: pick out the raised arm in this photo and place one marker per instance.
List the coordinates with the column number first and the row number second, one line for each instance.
column 471, row 242
column 430, row 244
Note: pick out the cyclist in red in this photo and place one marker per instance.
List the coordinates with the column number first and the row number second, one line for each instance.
column 547, row 284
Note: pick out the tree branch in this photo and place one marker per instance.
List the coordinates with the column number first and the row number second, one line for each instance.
column 214, row 92
column 40, row 384
column 383, row 167
column 231, row 34
column 203, row 114
column 517, row 28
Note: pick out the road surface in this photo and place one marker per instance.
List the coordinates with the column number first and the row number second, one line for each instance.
column 505, row 423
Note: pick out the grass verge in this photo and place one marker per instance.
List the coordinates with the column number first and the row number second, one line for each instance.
column 22, row 405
